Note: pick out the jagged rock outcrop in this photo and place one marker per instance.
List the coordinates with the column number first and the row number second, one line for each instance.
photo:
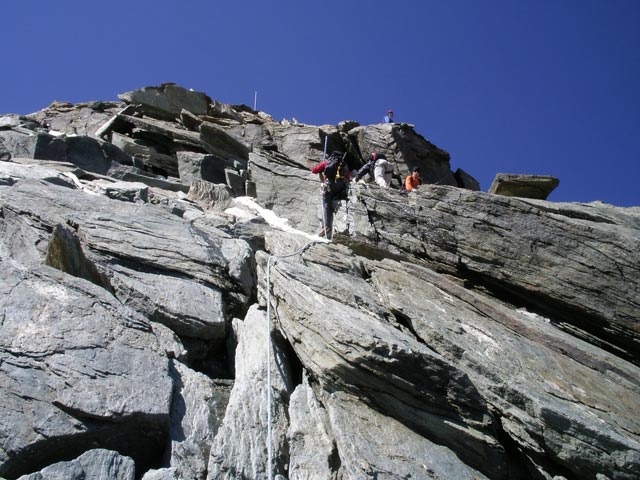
column 447, row 333
column 168, row 100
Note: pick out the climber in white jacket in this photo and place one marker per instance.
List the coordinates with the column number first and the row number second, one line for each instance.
column 383, row 171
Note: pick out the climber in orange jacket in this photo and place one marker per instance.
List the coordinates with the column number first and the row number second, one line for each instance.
column 413, row 180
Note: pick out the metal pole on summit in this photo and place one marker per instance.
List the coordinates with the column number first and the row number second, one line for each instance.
column 255, row 100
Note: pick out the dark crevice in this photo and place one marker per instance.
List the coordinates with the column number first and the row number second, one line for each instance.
column 368, row 250
column 405, row 322
column 65, row 252
column 142, row 439
column 211, row 358
column 523, row 467
column 295, row 365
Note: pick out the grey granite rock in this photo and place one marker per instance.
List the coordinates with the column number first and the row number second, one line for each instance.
column 77, row 368
column 247, row 412
column 196, row 413
column 489, row 377
column 578, row 264
column 313, row 451
column 289, row 191
column 195, row 166
column 94, row 464
column 405, row 149
column 446, row 333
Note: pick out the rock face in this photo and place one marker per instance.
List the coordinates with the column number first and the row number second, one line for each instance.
column 156, row 324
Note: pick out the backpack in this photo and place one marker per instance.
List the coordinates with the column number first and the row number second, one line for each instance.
column 334, row 169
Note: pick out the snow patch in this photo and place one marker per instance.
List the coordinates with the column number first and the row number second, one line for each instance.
column 533, row 316
column 250, row 206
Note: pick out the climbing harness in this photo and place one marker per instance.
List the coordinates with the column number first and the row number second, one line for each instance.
column 269, row 395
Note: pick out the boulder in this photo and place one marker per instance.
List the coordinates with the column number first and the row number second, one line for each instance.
column 119, row 237
column 162, row 474
column 132, row 175
column 84, row 119
column 188, row 308
column 123, row 191
column 218, row 142
column 85, row 152
column 162, row 131
column 147, row 152
column 526, row 186
column 371, row 443
column 313, row 452
column 223, row 110
column 304, row 144
column 9, row 121
column 254, row 136
column 73, row 372
column 17, row 144
column 12, row 172
column 98, row 463
column 211, row 196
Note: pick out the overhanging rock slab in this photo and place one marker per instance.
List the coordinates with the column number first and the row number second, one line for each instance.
column 525, row 186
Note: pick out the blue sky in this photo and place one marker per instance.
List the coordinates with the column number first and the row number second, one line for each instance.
column 548, row 87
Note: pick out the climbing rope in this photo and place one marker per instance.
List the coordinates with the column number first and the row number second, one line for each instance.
column 269, row 394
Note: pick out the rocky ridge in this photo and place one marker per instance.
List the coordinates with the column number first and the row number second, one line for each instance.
column 449, row 333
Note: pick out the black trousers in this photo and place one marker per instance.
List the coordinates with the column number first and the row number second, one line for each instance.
column 332, row 191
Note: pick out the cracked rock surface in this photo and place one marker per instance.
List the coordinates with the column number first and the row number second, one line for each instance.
column 157, row 323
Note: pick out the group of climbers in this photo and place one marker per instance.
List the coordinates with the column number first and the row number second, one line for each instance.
column 335, row 177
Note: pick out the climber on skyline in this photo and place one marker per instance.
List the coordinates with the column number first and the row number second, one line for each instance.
column 388, row 118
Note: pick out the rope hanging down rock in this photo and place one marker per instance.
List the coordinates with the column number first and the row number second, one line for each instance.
column 269, row 395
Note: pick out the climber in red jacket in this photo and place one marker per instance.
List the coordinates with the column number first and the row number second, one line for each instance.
column 335, row 180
